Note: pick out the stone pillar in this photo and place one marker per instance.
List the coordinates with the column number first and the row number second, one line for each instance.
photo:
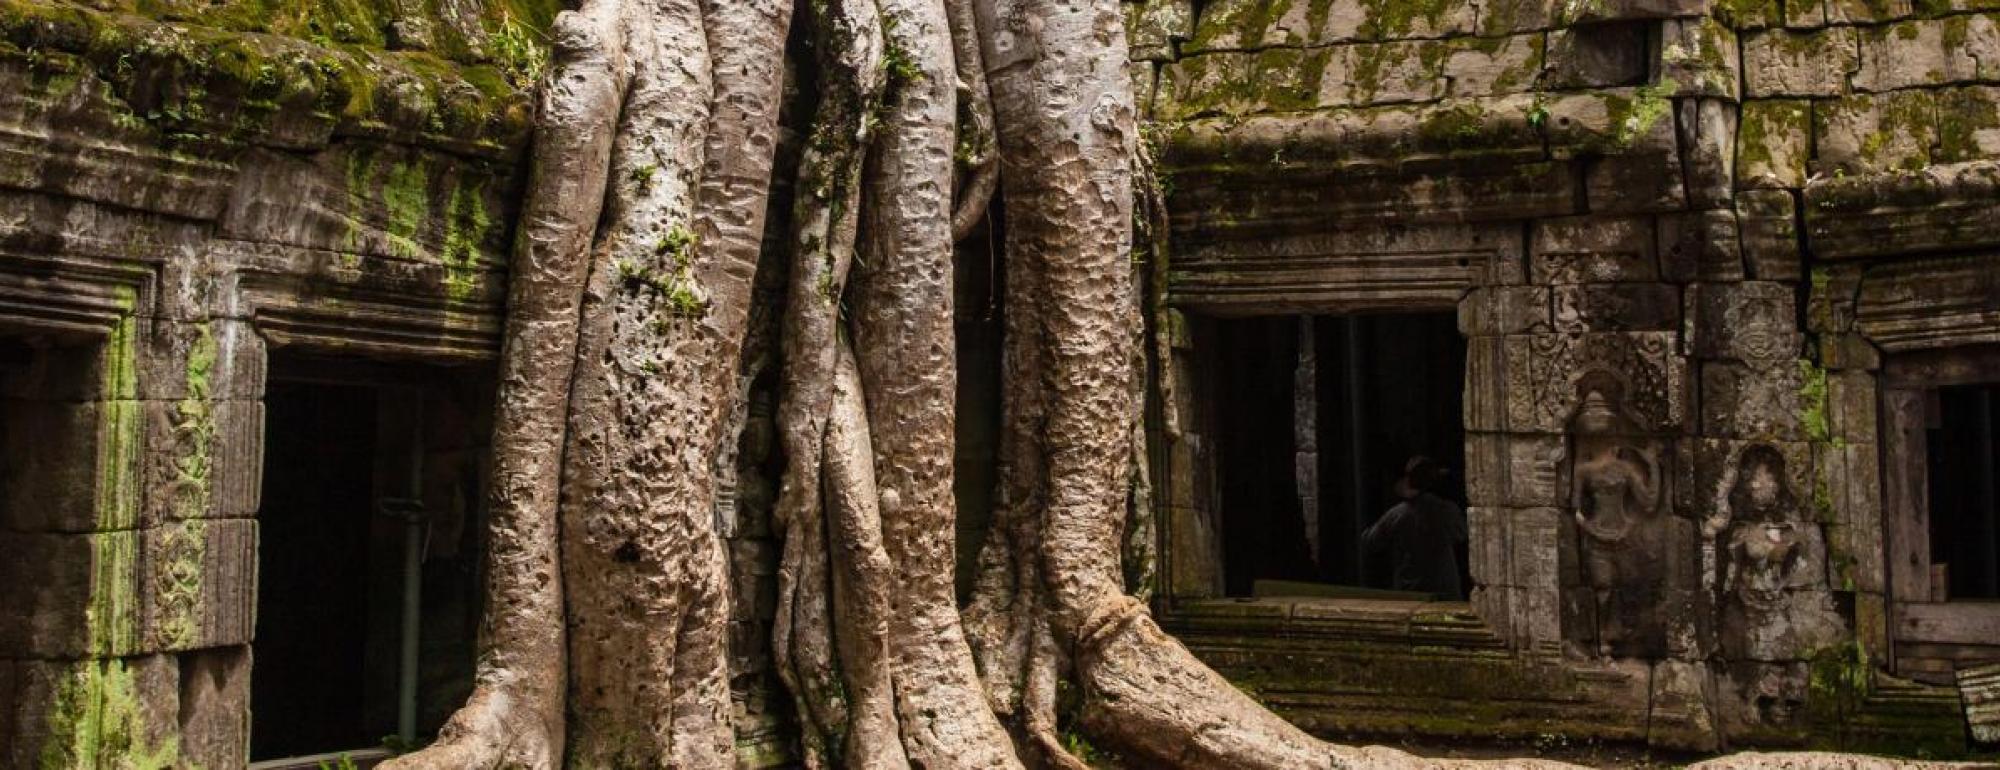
column 128, row 551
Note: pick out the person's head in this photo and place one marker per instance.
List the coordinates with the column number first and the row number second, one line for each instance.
column 1420, row 474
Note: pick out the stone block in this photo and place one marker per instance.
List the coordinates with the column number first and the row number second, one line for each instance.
column 200, row 580
column 1545, row 374
column 1752, row 14
column 1679, row 716
column 1848, row 351
column 117, row 714
column 212, row 359
column 1968, row 124
column 1504, row 310
column 1535, row 544
column 1851, row 406
column 1700, row 246
column 1619, row 307
column 1145, row 78
column 1699, row 55
column 70, row 466
column 1488, row 548
column 215, row 707
column 1754, row 322
column 1538, row 616
column 1278, row 80
column 1749, row 402
column 1928, row 52
column 1610, row 122
column 1593, row 250
column 1810, row 14
column 1495, row 606
column 69, row 595
column 1251, row 24
column 1601, row 56
column 1770, row 235
column 1152, row 27
column 1485, row 383
column 1863, row 134
column 1952, row 207
column 203, row 459
column 1645, row 181
column 1774, row 141
column 1516, row 470
column 1708, row 146
column 375, row 200
column 1784, row 62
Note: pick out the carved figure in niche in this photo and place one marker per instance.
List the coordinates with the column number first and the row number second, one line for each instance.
column 1616, row 499
column 1759, row 549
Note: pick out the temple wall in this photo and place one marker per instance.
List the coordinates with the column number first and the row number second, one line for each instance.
column 1679, row 235
column 1687, row 243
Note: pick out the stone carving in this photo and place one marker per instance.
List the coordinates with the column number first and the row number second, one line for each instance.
column 1616, row 499
column 1545, row 378
column 1757, row 549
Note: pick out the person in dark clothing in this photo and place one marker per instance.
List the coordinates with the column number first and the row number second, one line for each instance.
column 1421, row 533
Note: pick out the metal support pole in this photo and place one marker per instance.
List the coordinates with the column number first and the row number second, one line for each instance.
column 414, row 528
column 1357, row 443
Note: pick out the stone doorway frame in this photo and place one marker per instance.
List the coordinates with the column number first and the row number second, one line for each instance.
column 1927, row 638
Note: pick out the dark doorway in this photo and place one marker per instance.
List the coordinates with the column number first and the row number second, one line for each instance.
column 1965, row 541
column 361, row 461
column 1315, row 417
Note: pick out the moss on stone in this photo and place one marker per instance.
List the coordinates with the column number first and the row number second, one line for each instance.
column 215, row 76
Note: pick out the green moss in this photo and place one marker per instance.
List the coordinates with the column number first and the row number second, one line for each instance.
column 465, row 227
column 97, row 718
column 1634, row 118
column 211, row 77
column 1767, row 123
column 1389, row 19
column 1963, row 114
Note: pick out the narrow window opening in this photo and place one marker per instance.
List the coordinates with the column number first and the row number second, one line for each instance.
column 1964, row 536
column 368, row 469
column 1316, row 419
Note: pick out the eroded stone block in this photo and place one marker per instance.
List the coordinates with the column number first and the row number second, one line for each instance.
column 69, row 595
column 1864, row 134
column 1798, row 63
column 1700, row 246
column 215, row 707
column 1770, row 235
column 1619, row 307
column 1749, row 321
column 1749, row 402
column 1708, row 142
column 1504, row 310
column 1593, row 250
column 1517, row 470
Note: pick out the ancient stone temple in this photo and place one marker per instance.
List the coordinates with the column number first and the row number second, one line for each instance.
column 1696, row 301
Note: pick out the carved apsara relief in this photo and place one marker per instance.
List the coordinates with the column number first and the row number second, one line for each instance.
column 1618, row 501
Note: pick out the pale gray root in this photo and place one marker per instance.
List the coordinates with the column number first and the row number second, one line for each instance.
column 746, row 42
column 641, row 561
column 975, row 149
column 906, row 353
column 1006, row 619
column 827, row 204
column 515, row 716
column 864, row 580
